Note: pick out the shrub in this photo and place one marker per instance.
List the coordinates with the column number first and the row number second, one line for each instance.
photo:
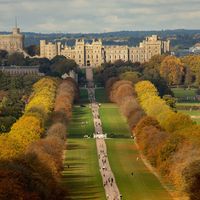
column 191, row 175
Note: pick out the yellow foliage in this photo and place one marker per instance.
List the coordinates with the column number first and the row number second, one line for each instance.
column 156, row 107
column 30, row 126
column 44, row 95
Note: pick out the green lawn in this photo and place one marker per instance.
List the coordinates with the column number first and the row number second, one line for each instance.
column 143, row 185
column 81, row 123
column 82, row 179
column 114, row 124
column 181, row 92
column 101, row 95
column 83, row 96
column 191, row 113
column 188, row 104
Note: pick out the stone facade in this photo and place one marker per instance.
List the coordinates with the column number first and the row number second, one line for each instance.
column 13, row 42
column 94, row 54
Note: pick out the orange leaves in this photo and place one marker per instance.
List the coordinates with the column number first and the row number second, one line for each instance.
column 122, row 93
column 172, row 69
column 66, row 94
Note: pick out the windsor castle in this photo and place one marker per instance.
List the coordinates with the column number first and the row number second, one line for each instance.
column 94, row 54
column 13, row 42
column 90, row 54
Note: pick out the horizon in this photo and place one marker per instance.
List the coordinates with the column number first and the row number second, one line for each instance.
column 117, row 31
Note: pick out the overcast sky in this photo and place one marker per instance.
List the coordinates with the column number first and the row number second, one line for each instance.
column 99, row 15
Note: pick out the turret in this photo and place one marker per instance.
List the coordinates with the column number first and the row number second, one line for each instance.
column 16, row 31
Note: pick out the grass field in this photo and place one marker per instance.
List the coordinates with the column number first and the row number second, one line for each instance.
column 82, row 179
column 143, row 185
column 81, row 123
column 83, row 96
column 191, row 113
column 114, row 124
column 181, row 92
column 101, row 95
column 188, row 104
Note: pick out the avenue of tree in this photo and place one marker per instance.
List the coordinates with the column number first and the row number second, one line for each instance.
column 35, row 111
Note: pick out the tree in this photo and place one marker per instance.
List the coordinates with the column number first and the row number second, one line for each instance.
column 130, row 76
column 62, row 65
column 172, row 70
column 33, row 50
column 192, row 63
column 152, row 68
column 3, row 57
column 191, row 175
column 16, row 59
column 171, row 101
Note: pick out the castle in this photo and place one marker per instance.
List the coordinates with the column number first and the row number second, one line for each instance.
column 12, row 42
column 94, row 54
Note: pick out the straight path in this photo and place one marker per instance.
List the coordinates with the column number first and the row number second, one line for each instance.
column 110, row 186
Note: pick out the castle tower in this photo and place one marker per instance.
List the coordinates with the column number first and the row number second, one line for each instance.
column 80, row 52
column 42, row 48
column 97, row 52
column 13, row 42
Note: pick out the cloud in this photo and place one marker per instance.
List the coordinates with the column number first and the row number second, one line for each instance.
column 99, row 16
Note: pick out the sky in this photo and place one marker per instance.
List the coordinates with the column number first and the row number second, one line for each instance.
column 87, row 16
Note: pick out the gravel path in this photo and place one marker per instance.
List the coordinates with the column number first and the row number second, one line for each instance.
column 110, row 186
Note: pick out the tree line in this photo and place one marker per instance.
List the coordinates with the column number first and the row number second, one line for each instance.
column 164, row 71
column 14, row 92
column 54, row 67
column 169, row 140
column 31, row 168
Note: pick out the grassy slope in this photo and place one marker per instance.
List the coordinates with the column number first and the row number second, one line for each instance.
column 82, row 179
column 114, row 124
column 122, row 156
column 81, row 123
column 83, row 96
column 101, row 96
column 181, row 92
column 143, row 184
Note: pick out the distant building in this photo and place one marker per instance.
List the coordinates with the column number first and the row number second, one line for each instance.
column 21, row 70
column 13, row 42
column 94, row 54
column 195, row 49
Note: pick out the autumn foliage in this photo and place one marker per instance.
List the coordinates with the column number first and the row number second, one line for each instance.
column 34, row 173
column 169, row 140
column 122, row 93
column 31, row 125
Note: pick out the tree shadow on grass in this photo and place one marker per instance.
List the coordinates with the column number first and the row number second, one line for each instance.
column 76, row 179
column 80, row 186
